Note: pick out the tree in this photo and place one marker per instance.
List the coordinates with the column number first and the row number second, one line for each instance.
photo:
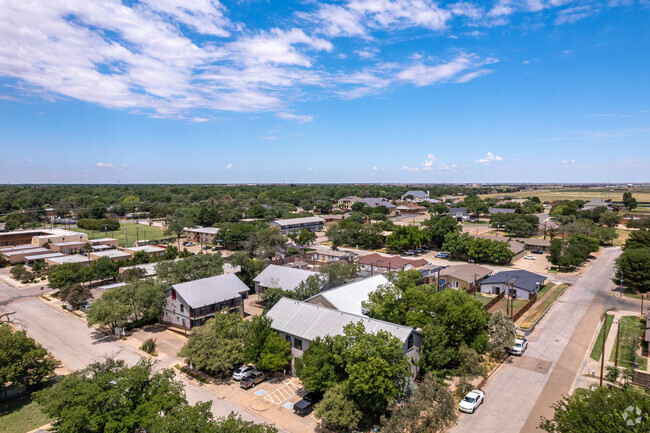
column 633, row 267
column 405, row 237
column 271, row 295
column 23, row 362
column 175, row 225
column 628, row 201
column 67, row 274
column 502, row 333
column 18, row 271
column 439, row 209
column 357, row 206
column 217, row 347
column 431, row 409
column 469, row 367
column 609, row 219
column 306, row 237
column 104, row 268
column 309, row 287
column 131, row 274
column 603, row 409
column 189, row 269
column 256, row 335
column 140, row 257
column 110, row 310
column 457, row 319
column 338, row 273
column 276, row 353
column 337, row 411
column 75, row 295
column 249, row 268
column 638, row 239
column 265, row 243
column 109, row 396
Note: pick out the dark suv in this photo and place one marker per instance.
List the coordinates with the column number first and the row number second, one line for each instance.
column 306, row 405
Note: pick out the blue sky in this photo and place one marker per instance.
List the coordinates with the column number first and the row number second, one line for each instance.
column 167, row 91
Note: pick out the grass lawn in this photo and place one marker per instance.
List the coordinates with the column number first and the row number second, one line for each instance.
column 482, row 298
column 544, row 290
column 541, row 307
column 641, row 194
column 20, row 415
column 622, row 237
column 597, row 350
column 133, row 232
column 631, row 328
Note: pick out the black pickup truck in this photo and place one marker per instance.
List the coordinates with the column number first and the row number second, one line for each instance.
column 306, row 405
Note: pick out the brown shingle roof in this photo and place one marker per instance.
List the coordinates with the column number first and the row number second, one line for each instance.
column 391, row 262
column 466, row 272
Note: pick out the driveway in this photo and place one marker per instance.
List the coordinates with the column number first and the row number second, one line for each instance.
column 523, row 389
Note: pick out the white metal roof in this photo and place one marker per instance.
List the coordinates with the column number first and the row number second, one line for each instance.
column 206, row 230
column 17, row 248
column 43, row 256
column 146, row 249
column 110, row 253
column 149, row 268
column 304, row 220
column 206, row 291
column 348, row 298
column 282, row 277
column 24, row 251
column 77, row 258
column 308, row 321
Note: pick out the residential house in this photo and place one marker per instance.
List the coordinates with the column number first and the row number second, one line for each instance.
column 326, row 254
column 450, row 199
column 596, row 203
column 494, row 210
column 430, row 272
column 376, row 264
column 411, row 209
column 459, row 213
column 376, row 202
column 300, row 323
column 313, row 224
column 349, row 297
column 533, row 244
column 281, row 277
column 525, row 283
column 202, row 235
column 462, row 277
column 418, row 196
column 347, row 202
column 192, row 303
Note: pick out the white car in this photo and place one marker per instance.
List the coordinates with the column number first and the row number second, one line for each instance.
column 529, row 257
column 521, row 344
column 243, row 372
column 471, row 401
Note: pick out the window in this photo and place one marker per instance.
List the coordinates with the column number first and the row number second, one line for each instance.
column 182, row 308
column 454, row 284
column 410, row 341
column 173, row 294
column 297, row 343
column 288, row 337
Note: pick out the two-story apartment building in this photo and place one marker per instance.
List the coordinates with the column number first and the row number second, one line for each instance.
column 313, row 224
column 192, row 303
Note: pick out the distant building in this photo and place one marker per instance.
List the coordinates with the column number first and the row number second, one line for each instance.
column 417, row 195
column 115, row 255
column 109, row 242
column 494, row 210
column 192, row 303
column 594, row 204
column 294, row 225
column 202, row 235
column 347, row 202
column 376, row 202
column 459, row 213
column 76, row 258
column 67, row 247
column 149, row 249
column 378, row 264
column 40, row 237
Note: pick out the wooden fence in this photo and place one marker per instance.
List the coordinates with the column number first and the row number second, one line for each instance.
column 641, row 379
column 494, row 301
column 525, row 308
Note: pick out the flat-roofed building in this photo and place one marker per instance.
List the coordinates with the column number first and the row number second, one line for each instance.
column 116, row 255
column 40, row 237
column 19, row 256
column 192, row 303
column 202, row 235
column 67, row 247
column 42, row 256
column 110, row 242
column 149, row 249
column 313, row 224
column 75, row 258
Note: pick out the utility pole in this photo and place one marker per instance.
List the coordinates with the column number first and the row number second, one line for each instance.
column 621, row 283
column 602, row 355
column 126, row 238
column 507, row 297
column 618, row 333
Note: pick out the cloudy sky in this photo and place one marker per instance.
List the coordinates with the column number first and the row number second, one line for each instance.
column 212, row 91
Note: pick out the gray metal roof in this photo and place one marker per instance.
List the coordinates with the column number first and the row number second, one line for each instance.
column 206, row 291
column 304, row 220
column 415, row 194
column 43, row 256
column 374, row 202
column 308, row 321
column 521, row 279
column 348, row 298
column 457, row 210
column 501, row 210
column 206, row 230
column 76, row 258
column 282, row 277
column 110, row 254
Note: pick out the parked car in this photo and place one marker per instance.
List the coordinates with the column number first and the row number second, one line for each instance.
column 252, row 380
column 206, row 247
column 306, row 405
column 529, row 257
column 537, row 252
column 442, row 255
column 243, row 372
column 84, row 307
column 471, row 401
column 190, row 244
column 185, row 243
column 215, row 249
column 409, row 252
column 521, row 344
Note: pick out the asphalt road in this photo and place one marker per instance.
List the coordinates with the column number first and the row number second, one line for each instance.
column 524, row 388
column 76, row 345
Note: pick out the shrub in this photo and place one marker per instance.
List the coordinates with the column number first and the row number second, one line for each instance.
column 149, row 346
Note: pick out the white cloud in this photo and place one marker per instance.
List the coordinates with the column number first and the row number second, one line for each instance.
column 29, row 161
column 375, row 168
column 428, row 163
column 124, row 165
column 229, row 166
column 367, row 53
column 103, row 164
column 443, row 167
column 410, row 168
column 297, row 117
column 489, row 157
column 268, row 138
column 310, row 168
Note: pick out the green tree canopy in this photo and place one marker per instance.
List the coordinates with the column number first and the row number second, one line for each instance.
column 638, row 239
column 189, row 269
column 633, row 266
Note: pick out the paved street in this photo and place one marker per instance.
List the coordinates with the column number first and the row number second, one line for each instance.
column 524, row 388
column 76, row 345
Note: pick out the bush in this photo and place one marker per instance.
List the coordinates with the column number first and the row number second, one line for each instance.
column 149, row 346
column 98, row 224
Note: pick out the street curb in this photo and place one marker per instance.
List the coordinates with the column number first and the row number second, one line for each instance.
column 532, row 328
